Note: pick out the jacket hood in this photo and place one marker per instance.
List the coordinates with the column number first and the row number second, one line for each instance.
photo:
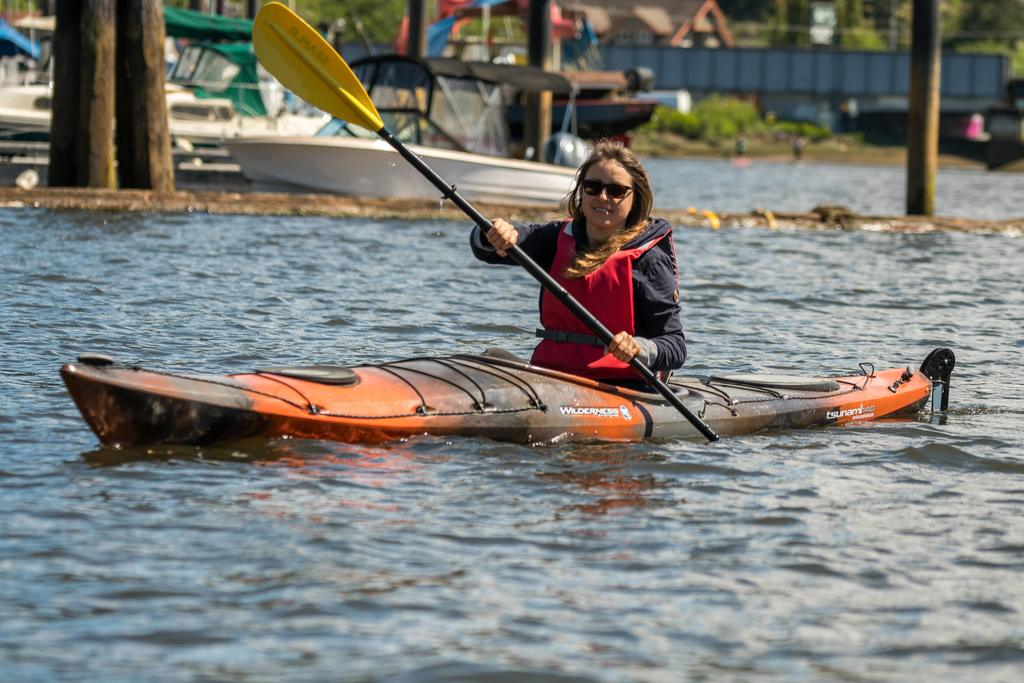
column 656, row 227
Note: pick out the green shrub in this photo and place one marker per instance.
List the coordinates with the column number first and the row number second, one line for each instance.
column 861, row 38
column 720, row 119
column 796, row 129
column 723, row 118
column 719, row 129
column 668, row 120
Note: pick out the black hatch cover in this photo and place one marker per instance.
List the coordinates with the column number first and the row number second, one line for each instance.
column 323, row 374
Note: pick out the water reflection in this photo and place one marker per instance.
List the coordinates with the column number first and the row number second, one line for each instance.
column 297, row 458
column 603, row 472
column 371, row 466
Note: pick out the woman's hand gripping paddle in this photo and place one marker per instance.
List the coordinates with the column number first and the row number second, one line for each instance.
column 307, row 65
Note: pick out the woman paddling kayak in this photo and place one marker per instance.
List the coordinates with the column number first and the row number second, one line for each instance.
column 614, row 259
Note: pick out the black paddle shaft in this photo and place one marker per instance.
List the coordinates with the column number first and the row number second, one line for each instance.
column 548, row 282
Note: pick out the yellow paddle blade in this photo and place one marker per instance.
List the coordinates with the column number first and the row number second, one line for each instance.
column 306, row 64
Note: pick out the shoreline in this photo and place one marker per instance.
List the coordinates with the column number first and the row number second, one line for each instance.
column 669, row 146
column 303, row 204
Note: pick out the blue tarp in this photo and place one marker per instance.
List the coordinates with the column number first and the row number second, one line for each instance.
column 13, row 43
column 582, row 52
column 437, row 35
column 438, row 32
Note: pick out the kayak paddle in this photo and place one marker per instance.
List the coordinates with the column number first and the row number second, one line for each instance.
column 306, row 64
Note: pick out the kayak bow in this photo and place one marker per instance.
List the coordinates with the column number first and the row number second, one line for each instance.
column 491, row 395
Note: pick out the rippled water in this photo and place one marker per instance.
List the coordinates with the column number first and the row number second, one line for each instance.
column 885, row 552
column 871, row 190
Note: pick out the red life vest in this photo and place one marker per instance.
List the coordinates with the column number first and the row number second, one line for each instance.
column 607, row 293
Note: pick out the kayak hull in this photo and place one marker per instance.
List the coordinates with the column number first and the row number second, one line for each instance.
column 475, row 396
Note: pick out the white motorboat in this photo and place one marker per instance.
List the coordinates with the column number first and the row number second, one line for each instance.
column 25, row 111
column 449, row 112
column 214, row 93
column 372, row 168
column 25, row 115
column 212, row 120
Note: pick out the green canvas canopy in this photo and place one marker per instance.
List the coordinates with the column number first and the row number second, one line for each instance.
column 244, row 89
column 183, row 23
column 222, row 70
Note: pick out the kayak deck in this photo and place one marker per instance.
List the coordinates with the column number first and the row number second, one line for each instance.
column 489, row 396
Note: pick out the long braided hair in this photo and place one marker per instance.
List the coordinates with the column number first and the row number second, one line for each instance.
column 586, row 261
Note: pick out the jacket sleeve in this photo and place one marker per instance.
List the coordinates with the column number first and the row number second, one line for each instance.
column 539, row 241
column 656, row 305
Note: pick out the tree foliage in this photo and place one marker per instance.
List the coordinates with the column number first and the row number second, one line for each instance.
column 854, row 29
column 967, row 25
column 964, row 22
column 989, row 27
column 379, row 18
column 747, row 10
column 993, row 19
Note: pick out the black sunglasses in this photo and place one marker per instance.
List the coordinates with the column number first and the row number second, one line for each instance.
column 614, row 190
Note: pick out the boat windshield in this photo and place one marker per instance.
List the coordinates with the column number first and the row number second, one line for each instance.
column 403, row 125
column 423, row 108
column 474, row 113
column 205, row 69
column 228, row 70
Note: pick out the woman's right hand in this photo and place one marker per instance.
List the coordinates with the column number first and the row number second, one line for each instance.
column 502, row 236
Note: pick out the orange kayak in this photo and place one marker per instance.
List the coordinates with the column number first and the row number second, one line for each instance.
column 492, row 395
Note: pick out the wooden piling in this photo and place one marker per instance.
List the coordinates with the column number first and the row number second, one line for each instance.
column 416, row 46
column 96, row 94
column 143, row 139
column 923, row 114
column 82, row 110
column 537, row 107
column 64, row 109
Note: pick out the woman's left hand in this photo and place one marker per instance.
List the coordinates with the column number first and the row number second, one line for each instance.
column 624, row 347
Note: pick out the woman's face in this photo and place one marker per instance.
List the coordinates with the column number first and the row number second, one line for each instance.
column 605, row 213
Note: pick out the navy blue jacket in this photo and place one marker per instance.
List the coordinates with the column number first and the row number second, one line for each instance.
column 655, row 303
